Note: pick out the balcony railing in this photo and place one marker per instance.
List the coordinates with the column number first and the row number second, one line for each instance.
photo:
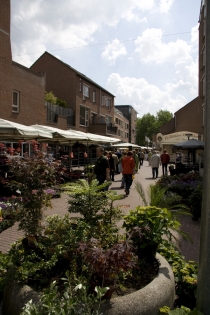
column 103, row 128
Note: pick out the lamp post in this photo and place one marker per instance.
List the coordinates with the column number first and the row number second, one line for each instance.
column 203, row 290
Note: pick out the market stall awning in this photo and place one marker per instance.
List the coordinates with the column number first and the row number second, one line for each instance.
column 190, row 144
column 98, row 138
column 59, row 134
column 126, row 145
column 10, row 130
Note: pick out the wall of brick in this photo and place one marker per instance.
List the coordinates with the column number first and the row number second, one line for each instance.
column 67, row 84
column 5, row 48
column 13, row 76
column 190, row 117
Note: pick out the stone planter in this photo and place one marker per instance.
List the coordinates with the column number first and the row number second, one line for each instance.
column 147, row 301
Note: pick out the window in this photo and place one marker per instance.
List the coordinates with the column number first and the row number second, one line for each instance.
column 85, row 90
column 84, row 116
column 108, row 102
column 16, row 102
column 108, row 119
column 94, row 96
column 120, row 133
column 93, row 118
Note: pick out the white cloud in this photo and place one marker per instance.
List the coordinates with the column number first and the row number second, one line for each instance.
column 165, row 5
column 151, row 48
column 145, row 97
column 113, row 50
column 71, row 24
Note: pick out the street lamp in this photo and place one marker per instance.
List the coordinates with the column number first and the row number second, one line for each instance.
column 188, row 135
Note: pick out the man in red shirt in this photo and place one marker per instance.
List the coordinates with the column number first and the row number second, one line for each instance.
column 165, row 158
column 128, row 166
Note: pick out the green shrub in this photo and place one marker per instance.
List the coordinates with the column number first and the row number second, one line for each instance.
column 31, row 178
column 73, row 300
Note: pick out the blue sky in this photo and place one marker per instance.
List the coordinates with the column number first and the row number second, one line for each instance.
column 145, row 52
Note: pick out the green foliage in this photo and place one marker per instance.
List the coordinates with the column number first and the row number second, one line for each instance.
column 94, row 204
column 86, row 199
column 179, row 311
column 4, row 265
column 74, row 300
column 156, row 222
column 37, row 260
column 145, row 126
column 188, row 187
column 31, row 178
column 148, row 125
column 160, row 196
column 185, row 273
column 50, row 98
column 162, row 116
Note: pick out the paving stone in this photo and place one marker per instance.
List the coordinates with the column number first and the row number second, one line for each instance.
column 144, row 176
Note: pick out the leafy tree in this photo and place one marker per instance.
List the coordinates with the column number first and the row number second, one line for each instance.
column 148, row 125
column 162, row 116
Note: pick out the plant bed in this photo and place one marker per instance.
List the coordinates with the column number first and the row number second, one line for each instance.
column 145, row 301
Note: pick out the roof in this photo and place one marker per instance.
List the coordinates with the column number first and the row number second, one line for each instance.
column 27, row 69
column 118, row 111
column 127, row 106
column 77, row 72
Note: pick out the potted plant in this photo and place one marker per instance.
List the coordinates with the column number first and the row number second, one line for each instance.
column 147, row 226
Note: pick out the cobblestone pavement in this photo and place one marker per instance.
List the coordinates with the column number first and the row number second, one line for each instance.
column 60, row 206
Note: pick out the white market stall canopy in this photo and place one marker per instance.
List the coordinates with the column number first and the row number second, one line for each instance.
column 97, row 138
column 73, row 135
column 59, row 134
column 13, row 131
column 126, row 145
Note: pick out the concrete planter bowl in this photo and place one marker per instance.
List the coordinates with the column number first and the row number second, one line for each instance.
column 147, row 301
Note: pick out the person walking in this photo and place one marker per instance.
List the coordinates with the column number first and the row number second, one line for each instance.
column 111, row 165
column 128, row 165
column 155, row 162
column 136, row 160
column 101, row 168
column 141, row 157
column 149, row 157
column 121, row 169
column 165, row 159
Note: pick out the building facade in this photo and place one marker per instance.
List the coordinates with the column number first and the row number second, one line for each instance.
column 92, row 107
column 189, row 117
column 123, row 125
column 21, row 92
column 131, row 114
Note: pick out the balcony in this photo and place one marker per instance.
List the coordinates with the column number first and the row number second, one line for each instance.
column 103, row 129
column 55, row 111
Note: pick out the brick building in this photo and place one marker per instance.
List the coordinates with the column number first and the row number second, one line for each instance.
column 131, row 114
column 123, row 125
column 189, row 117
column 92, row 106
column 21, row 92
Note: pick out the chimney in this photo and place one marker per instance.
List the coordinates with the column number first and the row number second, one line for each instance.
column 5, row 45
